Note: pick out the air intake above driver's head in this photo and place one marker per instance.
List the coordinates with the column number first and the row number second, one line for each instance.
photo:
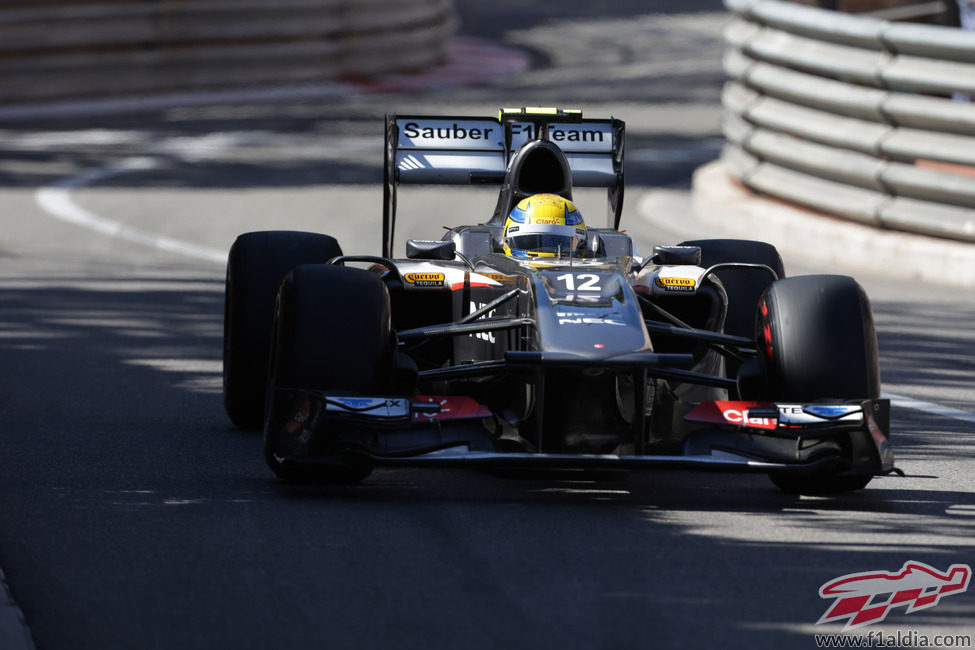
column 538, row 167
column 541, row 167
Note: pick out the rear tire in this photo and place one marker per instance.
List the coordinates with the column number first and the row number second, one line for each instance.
column 743, row 286
column 816, row 340
column 332, row 332
column 257, row 263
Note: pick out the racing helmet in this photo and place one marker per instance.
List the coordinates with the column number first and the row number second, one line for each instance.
column 544, row 225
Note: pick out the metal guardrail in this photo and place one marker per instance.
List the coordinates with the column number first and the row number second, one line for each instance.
column 88, row 48
column 853, row 116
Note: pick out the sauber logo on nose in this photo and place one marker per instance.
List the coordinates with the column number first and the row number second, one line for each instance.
column 866, row 598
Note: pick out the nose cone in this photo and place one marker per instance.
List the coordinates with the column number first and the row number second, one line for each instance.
column 590, row 313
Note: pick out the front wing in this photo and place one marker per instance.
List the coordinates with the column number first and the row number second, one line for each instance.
column 820, row 438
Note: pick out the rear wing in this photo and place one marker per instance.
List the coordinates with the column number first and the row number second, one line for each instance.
column 443, row 150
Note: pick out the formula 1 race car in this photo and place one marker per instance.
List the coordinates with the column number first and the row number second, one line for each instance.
column 476, row 350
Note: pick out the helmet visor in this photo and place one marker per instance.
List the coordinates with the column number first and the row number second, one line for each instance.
column 546, row 239
column 546, row 243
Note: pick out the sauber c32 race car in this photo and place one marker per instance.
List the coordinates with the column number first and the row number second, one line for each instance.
column 700, row 355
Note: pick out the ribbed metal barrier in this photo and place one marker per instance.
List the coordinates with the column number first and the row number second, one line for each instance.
column 86, row 48
column 853, row 116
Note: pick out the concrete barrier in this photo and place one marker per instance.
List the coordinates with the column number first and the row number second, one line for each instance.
column 89, row 49
column 853, row 116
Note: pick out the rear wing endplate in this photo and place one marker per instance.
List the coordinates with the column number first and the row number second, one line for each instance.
column 441, row 150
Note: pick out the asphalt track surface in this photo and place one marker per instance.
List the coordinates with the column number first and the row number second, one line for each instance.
column 133, row 515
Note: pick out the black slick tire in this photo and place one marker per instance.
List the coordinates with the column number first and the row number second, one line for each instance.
column 816, row 341
column 333, row 333
column 743, row 286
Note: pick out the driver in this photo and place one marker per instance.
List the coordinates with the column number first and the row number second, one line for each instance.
column 544, row 225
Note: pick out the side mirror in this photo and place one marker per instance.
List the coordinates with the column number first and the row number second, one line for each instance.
column 677, row 255
column 422, row 249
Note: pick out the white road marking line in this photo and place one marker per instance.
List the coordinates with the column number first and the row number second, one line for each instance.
column 56, row 200
column 929, row 407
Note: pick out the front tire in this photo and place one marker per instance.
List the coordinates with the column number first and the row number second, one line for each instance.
column 332, row 333
column 816, row 341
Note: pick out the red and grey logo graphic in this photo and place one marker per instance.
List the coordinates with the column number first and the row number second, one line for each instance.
column 866, row 598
